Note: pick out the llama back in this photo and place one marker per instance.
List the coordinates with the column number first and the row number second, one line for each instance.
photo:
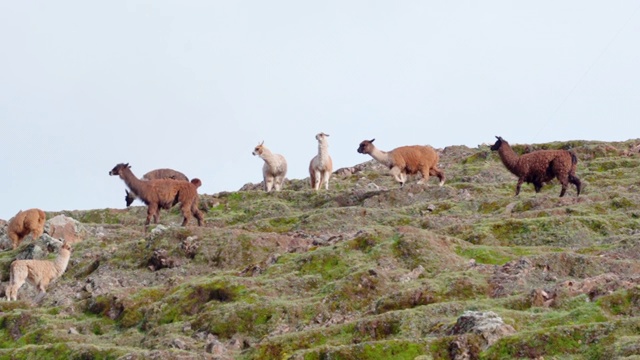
column 24, row 223
column 414, row 157
column 165, row 174
column 540, row 160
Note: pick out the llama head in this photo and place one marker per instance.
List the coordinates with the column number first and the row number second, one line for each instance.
column 321, row 136
column 366, row 146
column 259, row 149
column 66, row 246
column 129, row 197
column 117, row 170
column 498, row 143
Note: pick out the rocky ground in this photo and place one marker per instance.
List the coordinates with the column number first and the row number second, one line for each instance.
column 366, row 270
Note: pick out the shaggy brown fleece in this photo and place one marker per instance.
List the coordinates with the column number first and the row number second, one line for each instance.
column 163, row 194
column 153, row 175
column 540, row 166
column 24, row 223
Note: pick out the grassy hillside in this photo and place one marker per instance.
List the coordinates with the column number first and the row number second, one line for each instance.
column 366, row 270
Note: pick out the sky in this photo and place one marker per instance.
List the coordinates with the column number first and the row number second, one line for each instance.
column 195, row 85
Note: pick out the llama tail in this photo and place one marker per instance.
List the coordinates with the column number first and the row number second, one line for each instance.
column 574, row 158
column 197, row 182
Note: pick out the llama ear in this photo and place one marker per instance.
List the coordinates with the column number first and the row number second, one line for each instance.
column 372, row 140
column 326, row 134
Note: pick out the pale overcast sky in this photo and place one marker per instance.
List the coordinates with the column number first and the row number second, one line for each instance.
column 195, row 85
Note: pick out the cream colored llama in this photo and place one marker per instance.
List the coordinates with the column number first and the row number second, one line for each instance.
column 39, row 273
column 321, row 165
column 274, row 169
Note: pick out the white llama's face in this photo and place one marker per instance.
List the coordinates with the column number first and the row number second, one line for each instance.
column 258, row 150
column 321, row 136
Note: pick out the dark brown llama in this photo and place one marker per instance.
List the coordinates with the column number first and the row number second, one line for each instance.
column 154, row 175
column 539, row 167
column 163, row 194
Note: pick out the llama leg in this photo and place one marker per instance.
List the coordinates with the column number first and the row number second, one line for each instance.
column 563, row 178
column 425, row 176
column 186, row 213
column 278, row 182
column 403, row 176
column 397, row 174
column 325, row 178
column 16, row 287
column 312, row 180
column 317, row 180
column 12, row 289
column 151, row 211
column 156, row 216
column 12, row 292
column 8, row 291
column 439, row 174
column 268, row 183
column 15, row 240
column 564, row 188
column 537, row 186
column 518, row 185
column 197, row 214
column 575, row 181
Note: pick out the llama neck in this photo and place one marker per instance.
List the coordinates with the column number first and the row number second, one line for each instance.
column 269, row 158
column 323, row 151
column 381, row 156
column 62, row 261
column 132, row 181
column 509, row 158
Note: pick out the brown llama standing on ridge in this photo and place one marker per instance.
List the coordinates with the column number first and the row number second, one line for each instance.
column 540, row 166
column 24, row 223
column 163, row 194
column 153, row 175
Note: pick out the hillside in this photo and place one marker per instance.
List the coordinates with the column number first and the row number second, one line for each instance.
column 366, row 270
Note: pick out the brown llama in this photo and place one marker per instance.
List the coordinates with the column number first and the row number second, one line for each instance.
column 39, row 273
column 154, row 175
column 163, row 194
column 24, row 223
column 540, row 166
column 406, row 160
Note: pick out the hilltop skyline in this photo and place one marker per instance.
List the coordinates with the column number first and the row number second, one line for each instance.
column 195, row 86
